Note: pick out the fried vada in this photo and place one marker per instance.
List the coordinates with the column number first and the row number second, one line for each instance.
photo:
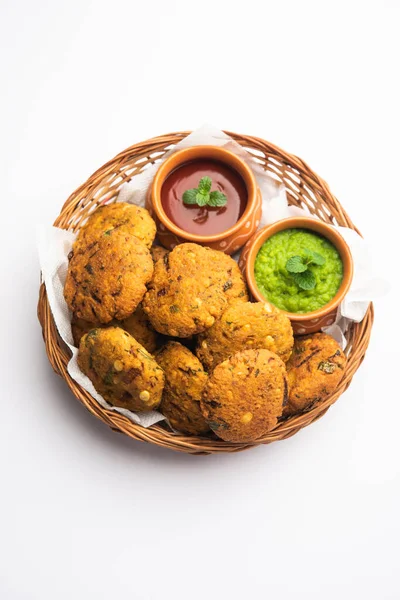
column 107, row 279
column 244, row 395
column 185, row 380
column 126, row 218
column 121, row 370
column 190, row 289
column 314, row 371
column 243, row 326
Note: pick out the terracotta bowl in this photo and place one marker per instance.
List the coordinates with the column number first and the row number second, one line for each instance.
column 228, row 241
column 307, row 322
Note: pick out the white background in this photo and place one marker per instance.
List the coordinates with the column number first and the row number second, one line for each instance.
column 89, row 514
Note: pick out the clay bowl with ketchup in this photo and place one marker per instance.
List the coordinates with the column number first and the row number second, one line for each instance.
column 226, row 228
column 330, row 242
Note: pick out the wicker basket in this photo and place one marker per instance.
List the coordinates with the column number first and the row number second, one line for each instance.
column 304, row 189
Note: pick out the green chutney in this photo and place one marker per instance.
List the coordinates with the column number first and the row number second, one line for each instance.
column 277, row 284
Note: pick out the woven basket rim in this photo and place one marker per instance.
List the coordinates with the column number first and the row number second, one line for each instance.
column 304, row 188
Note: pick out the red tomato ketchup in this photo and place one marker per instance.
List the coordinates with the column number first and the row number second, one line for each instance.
column 204, row 220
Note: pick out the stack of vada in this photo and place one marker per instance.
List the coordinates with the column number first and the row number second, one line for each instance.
column 175, row 331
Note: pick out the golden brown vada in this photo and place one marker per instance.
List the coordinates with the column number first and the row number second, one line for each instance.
column 185, row 380
column 190, row 288
column 107, row 279
column 244, row 395
column 121, row 370
column 243, row 326
column 127, row 218
column 314, row 371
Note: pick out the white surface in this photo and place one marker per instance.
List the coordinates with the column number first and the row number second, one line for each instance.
column 87, row 513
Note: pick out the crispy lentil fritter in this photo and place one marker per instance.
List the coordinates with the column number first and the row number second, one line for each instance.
column 314, row 371
column 243, row 326
column 190, row 289
column 121, row 370
column 127, row 218
column 244, row 396
column 185, row 379
column 107, row 279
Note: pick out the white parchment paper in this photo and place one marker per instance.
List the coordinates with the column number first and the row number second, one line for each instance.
column 54, row 245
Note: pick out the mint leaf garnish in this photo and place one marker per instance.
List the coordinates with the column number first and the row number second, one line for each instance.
column 202, row 199
column 190, row 196
column 305, row 280
column 217, row 198
column 314, row 257
column 204, row 186
column 295, row 265
column 202, row 196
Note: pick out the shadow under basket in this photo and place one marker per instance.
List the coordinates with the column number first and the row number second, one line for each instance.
column 304, row 189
